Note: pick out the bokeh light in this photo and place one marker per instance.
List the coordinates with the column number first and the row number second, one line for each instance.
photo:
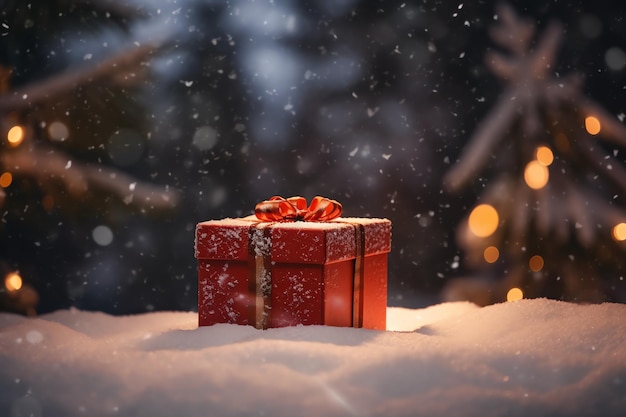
column 619, row 232
column 58, row 131
column 205, row 138
column 15, row 136
column 590, row 26
column 514, row 294
column 6, row 179
column 544, row 155
column 535, row 263
column 483, row 220
column 592, row 124
column 615, row 58
column 536, row 175
column 491, row 254
column 102, row 235
column 13, row 282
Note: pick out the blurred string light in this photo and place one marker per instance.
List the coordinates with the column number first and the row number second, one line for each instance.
column 544, row 155
column 592, row 125
column 619, row 232
column 15, row 135
column 536, row 174
column 13, row 282
column 536, row 263
column 483, row 220
column 6, row 179
column 491, row 254
column 514, row 294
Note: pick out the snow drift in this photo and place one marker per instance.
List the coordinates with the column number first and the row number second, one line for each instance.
column 531, row 357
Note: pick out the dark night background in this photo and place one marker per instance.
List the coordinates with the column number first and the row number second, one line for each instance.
column 366, row 102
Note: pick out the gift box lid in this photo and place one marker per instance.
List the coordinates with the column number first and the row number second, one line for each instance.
column 291, row 242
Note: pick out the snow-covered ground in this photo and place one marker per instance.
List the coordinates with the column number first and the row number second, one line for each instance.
column 527, row 358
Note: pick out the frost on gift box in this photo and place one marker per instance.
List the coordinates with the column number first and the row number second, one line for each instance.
column 279, row 272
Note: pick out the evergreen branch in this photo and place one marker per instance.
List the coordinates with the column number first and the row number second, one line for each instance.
column 47, row 165
column 503, row 66
column 513, row 33
column 480, row 146
column 611, row 128
column 598, row 161
column 545, row 54
column 116, row 7
column 60, row 84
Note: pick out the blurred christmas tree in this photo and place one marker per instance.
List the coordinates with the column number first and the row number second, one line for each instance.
column 551, row 219
column 71, row 137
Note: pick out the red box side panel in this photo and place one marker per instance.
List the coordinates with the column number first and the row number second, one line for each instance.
column 223, row 295
column 297, row 292
column 338, row 292
column 375, row 292
column 226, row 239
column 298, row 246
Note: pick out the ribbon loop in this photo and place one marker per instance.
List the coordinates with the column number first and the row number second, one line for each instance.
column 279, row 209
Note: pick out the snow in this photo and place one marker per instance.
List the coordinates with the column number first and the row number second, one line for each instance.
column 531, row 357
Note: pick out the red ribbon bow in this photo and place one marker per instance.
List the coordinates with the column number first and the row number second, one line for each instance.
column 278, row 209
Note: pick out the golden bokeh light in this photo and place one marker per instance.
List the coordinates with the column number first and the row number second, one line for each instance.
column 483, row 220
column 619, row 232
column 536, row 175
column 6, row 179
column 15, row 135
column 514, row 294
column 592, row 124
column 544, row 155
column 13, row 281
column 535, row 263
column 491, row 254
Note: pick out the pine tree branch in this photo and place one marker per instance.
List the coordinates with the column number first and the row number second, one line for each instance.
column 611, row 128
column 60, row 84
column 503, row 66
column 481, row 143
column 48, row 165
column 546, row 51
column 527, row 75
column 513, row 32
column 116, row 7
column 600, row 162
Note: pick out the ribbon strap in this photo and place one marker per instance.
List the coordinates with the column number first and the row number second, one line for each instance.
column 279, row 209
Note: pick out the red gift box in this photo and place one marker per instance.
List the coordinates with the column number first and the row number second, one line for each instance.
column 276, row 274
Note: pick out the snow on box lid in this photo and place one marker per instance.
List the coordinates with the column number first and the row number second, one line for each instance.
column 291, row 242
